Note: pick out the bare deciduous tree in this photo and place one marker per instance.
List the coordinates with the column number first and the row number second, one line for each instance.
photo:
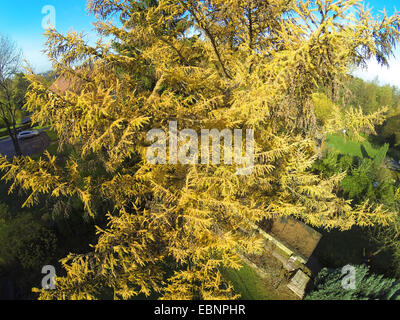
column 10, row 65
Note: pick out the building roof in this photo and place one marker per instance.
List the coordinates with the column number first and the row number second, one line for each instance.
column 296, row 235
column 63, row 84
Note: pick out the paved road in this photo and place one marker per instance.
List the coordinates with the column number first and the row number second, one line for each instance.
column 31, row 146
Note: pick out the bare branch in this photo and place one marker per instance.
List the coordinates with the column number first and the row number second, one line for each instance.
column 10, row 58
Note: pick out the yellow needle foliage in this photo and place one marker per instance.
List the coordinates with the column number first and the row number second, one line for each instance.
column 248, row 64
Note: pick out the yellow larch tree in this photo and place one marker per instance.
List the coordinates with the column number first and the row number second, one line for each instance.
column 224, row 64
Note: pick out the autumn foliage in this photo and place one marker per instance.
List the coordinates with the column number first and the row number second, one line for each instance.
column 248, row 64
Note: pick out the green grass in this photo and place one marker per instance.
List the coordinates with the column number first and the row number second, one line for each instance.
column 352, row 148
column 249, row 284
column 3, row 133
column 53, row 148
column 52, row 135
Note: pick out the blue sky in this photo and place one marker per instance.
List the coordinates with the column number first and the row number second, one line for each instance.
column 385, row 75
column 22, row 21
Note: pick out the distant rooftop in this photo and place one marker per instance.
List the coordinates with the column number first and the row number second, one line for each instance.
column 66, row 83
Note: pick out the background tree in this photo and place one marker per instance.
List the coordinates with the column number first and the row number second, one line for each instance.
column 237, row 64
column 11, row 99
column 370, row 175
column 328, row 286
column 26, row 243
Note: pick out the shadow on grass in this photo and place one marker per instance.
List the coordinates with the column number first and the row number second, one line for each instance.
column 339, row 248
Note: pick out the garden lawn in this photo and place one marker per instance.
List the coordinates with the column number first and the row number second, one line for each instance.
column 343, row 145
column 250, row 285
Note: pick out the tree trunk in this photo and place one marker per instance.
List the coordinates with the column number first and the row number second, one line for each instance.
column 14, row 139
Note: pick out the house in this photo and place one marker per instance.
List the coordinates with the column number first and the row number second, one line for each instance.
column 63, row 84
column 292, row 243
column 296, row 235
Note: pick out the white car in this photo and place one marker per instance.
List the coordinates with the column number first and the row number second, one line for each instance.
column 27, row 134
